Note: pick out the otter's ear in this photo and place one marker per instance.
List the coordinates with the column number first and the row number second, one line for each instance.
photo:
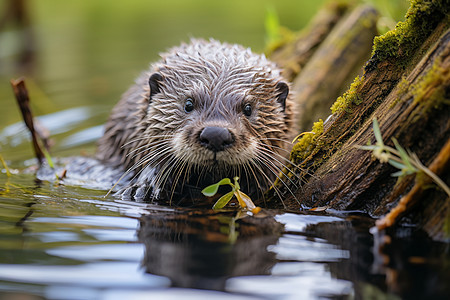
column 283, row 91
column 154, row 84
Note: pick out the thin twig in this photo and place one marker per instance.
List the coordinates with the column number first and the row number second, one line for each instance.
column 437, row 166
column 21, row 93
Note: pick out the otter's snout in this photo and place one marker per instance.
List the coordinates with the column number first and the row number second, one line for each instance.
column 216, row 138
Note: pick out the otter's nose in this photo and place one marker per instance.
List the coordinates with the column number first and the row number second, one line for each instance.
column 216, row 138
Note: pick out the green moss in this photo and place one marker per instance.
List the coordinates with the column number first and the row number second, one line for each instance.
column 350, row 97
column 402, row 89
column 306, row 144
column 402, row 86
column 431, row 87
column 400, row 43
column 429, row 91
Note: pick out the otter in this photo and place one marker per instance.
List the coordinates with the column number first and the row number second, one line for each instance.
column 207, row 110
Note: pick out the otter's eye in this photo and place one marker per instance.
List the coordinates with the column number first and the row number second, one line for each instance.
column 189, row 105
column 247, row 110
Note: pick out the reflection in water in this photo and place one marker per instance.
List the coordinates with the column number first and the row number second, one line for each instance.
column 413, row 266
column 17, row 13
column 201, row 249
column 288, row 256
column 252, row 255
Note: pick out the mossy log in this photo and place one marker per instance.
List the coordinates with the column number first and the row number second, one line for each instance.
column 326, row 56
column 406, row 87
column 334, row 65
column 292, row 56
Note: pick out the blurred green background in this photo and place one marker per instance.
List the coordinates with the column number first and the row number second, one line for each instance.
column 86, row 53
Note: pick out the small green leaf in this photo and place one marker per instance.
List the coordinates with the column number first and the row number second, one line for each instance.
column 396, row 164
column 223, row 200
column 48, row 158
column 225, row 181
column 403, row 155
column 377, row 133
column 398, row 174
column 211, row 190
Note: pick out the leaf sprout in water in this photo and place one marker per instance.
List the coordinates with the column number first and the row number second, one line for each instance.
column 244, row 200
column 407, row 162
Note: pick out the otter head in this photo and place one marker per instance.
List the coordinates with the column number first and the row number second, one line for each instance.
column 238, row 128
column 215, row 114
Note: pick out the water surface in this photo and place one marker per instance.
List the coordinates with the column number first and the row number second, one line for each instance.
column 61, row 242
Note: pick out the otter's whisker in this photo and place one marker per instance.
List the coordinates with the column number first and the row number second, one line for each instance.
column 271, row 155
column 276, row 170
column 276, row 139
column 165, row 172
column 178, row 172
column 144, row 138
column 172, row 169
column 149, row 158
column 258, row 167
column 125, row 174
column 260, row 189
column 266, row 161
column 276, row 147
column 146, row 160
column 147, row 147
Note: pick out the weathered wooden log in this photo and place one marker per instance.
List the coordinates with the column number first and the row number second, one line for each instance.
column 335, row 63
column 406, row 86
column 292, row 56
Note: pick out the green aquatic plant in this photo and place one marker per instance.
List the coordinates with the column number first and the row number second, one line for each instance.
column 244, row 200
column 8, row 173
column 407, row 162
column 350, row 98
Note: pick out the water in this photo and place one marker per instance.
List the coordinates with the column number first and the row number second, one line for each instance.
column 69, row 242
column 62, row 242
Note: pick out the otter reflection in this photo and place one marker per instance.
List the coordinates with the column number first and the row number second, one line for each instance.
column 203, row 248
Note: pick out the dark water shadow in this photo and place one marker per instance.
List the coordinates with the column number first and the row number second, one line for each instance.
column 202, row 248
column 399, row 264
